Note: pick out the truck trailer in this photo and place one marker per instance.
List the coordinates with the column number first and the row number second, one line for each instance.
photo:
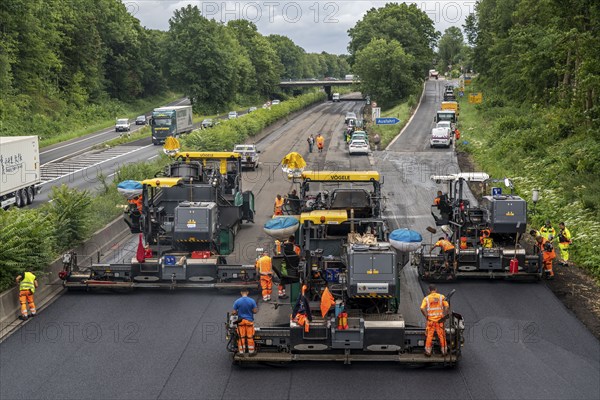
column 344, row 249
column 170, row 121
column 20, row 170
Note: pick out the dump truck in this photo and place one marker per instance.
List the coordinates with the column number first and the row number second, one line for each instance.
column 170, row 121
column 345, row 248
column 20, row 170
column 487, row 237
column 189, row 216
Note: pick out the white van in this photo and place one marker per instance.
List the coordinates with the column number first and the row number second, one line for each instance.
column 440, row 137
column 335, row 97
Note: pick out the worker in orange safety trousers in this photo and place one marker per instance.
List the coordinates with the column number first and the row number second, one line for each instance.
column 434, row 307
column 264, row 267
column 278, row 208
column 548, row 255
column 456, row 133
column 320, row 142
column 27, row 285
column 447, row 249
column 301, row 312
column 290, row 248
column 245, row 307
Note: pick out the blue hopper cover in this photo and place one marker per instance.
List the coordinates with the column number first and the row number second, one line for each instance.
column 130, row 185
column 281, row 223
column 406, row 235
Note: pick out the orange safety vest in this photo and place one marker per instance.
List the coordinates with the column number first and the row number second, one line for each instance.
column 435, row 303
column 444, row 244
column 278, row 203
column 463, row 242
column 320, row 141
column 436, row 201
column 296, row 248
column 263, row 265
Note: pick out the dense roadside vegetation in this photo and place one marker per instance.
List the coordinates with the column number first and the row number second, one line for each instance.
column 74, row 66
column 539, row 65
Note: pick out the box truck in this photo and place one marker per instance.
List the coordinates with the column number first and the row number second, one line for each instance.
column 20, row 170
column 170, row 121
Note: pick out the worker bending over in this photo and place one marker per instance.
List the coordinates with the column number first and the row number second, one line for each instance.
column 245, row 307
column 265, row 270
column 548, row 255
column 27, row 285
column 447, row 249
column 435, row 307
column 301, row 312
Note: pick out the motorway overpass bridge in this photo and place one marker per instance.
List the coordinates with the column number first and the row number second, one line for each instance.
column 326, row 84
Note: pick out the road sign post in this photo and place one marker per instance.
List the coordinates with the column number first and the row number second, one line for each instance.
column 376, row 113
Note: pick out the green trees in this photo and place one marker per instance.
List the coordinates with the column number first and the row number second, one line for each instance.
column 408, row 34
column 382, row 67
column 451, row 48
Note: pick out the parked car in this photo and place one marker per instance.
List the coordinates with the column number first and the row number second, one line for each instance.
column 249, row 155
column 232, row 115
column 275, row 102
column 358, row 146
column 349, row 115
column 141, row 120
column 359, row 135
column 251, row 109
column 122, row 125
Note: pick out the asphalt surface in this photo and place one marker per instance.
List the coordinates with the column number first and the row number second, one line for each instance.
column 521, row 343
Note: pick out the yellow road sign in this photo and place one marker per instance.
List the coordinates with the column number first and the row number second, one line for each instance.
column 475, row 98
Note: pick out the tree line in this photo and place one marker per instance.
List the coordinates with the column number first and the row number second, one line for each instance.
column 59, row 56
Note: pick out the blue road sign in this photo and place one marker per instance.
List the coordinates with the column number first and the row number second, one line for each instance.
column 386, row 121
column 461, row 93
column 496, row 191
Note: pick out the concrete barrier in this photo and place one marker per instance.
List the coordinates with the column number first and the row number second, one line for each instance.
column 50, row 285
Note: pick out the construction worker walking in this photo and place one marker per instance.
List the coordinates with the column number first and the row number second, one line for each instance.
column 289, row 249
column 320, row 142
column 435, row 307
column 27, row 285
column 278, row 207
column 311, row 143
column 564, row 241
column 547, row 231
column 264, row 267
column 245, row 307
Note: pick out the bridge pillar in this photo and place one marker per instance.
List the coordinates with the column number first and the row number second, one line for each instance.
column 328, row 91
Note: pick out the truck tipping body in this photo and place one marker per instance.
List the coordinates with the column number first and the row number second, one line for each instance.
column 20, row 170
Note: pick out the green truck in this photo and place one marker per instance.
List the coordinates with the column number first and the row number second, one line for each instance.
column 170, row 121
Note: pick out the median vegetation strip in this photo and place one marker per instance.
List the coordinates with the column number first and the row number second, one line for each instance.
column 543, row 148
column 402, row 111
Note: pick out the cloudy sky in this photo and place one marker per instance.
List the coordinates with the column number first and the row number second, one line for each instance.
column 314, row 25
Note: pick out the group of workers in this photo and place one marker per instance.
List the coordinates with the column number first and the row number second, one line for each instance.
column 319, row 140
column 292, row 200
column 544, row 238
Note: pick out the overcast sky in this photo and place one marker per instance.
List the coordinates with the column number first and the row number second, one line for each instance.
column 314, row 25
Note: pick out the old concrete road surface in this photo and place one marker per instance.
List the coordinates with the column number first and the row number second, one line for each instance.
column 166, row 345
column 521, row 341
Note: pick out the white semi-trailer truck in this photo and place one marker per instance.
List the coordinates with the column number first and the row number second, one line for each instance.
column 20, row 170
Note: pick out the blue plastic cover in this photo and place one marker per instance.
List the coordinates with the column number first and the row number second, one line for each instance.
column 281, row 223
column 406, row 235
column 130, row 185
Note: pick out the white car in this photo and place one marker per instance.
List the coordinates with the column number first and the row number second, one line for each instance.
column 122, row 125
column 358, row 146
column 446, row 124
column 335, row 97
column 233, row 115
column 440, row 137
column 275, row 102
column 349, row 115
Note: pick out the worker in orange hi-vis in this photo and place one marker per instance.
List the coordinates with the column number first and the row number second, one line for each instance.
column 278, row 208
column 245, row 307
column 264, row 267
column 27, row 285
column 548, row 255
column 301, row 313
column 435, row 307
column 320, row 142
